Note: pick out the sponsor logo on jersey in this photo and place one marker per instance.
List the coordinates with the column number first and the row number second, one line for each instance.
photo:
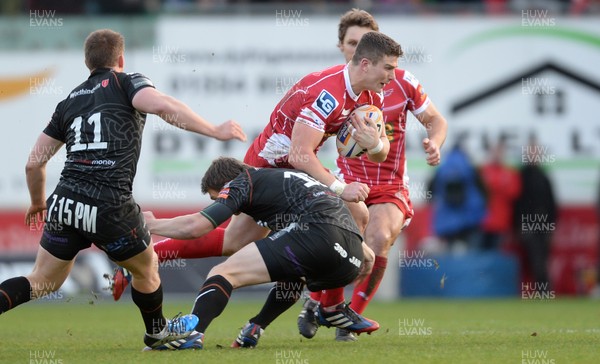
column 408, row 77
column 325, row 103
column 224, row 193
column 144, row 82
column 105, row 83
column 355, row 261
column 84, row 91
column 341, row 251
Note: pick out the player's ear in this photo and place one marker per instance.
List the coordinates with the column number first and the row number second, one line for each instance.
column 364, row 64
column 121, row 61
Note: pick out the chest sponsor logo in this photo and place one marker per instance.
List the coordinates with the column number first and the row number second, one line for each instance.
column 325, row 104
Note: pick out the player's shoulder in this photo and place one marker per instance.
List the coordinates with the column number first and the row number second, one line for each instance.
column 329, row 78
column 135, row 78
column 406, row 77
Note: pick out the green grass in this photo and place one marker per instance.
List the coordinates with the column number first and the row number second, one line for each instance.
column 448, row 331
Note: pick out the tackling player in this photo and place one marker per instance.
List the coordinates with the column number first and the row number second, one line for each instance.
column 390, row 208
column 101, row 123
column 315, row 241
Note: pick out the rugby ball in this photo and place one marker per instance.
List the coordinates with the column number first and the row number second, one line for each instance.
column 345, row 143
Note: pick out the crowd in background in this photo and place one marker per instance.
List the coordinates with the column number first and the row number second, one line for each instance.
column 484, row 208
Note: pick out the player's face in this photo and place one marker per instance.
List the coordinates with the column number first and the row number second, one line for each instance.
column 351, row 39
column 380, row 74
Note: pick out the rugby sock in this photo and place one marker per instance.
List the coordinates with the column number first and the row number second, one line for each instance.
column 211, row 300
column 13, row 292
column 282, row 296
column 208, row 245
column 332, row 298
column 316, row 296
column 150, row 306
column 364, row 291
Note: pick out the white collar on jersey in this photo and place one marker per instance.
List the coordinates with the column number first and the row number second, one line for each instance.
column 348, row 84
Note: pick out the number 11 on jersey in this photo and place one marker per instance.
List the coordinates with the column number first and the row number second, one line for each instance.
column 77, row 124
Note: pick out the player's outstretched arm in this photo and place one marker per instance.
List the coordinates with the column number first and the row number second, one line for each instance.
column 181, row 227
column 436, row 126
column 175, row 112
column 35, row 171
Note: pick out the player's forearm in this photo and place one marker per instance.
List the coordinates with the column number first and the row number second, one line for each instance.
column 380, row 155
column 307, row 161
column 36, row 183
column 180, row 227
column 182, row 116
column 436, row 129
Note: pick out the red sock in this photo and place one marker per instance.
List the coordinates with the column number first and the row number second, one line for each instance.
column 316, row 295
column 366, row 289
column 209, row 245
column 332, row 297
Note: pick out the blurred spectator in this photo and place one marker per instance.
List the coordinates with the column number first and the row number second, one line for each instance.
column 535, row 215
column 503, row 185
column 458, row 201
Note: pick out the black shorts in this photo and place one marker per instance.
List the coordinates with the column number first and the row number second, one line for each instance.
column 326, row 256
column 75, row 222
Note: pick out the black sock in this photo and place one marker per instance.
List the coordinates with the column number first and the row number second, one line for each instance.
column 211, row 300
column 13, row 292
column 150, row 305
column 282, row 296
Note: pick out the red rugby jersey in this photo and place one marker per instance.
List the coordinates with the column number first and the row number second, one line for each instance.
column 322, row 100
column 403, row 94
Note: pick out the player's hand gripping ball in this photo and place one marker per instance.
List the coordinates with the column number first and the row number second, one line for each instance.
column 346, row 145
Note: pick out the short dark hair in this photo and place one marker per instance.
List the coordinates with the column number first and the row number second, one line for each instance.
column 221, row 171
column 102, row 49
column 374, row 46
column 356, row 17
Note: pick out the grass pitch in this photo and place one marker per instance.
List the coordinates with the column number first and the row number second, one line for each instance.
column 412, row 331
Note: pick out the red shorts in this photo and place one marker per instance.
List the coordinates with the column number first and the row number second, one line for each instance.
column 397, row 195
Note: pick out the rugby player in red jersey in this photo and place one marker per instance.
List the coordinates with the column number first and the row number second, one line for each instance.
column 390, row 208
